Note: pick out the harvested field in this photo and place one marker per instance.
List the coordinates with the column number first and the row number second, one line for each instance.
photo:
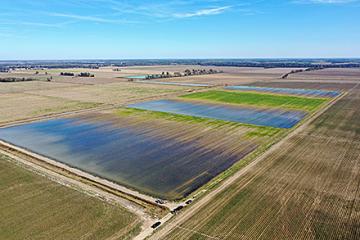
column 308, row 189
column 332, row 74
column 261, row 117
column 17, row 106
column 106, row 75
column 175, row 83
column 287, row 91
column 332, row 86
column 33, row 207
column 222, row 78
column 257, row 99
column 114, row 93
column 167, row 157
column 20, row 87
column 230, row 76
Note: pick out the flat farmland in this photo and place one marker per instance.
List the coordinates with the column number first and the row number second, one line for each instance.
column 331, row 86
column 163, row 155
column 212, row 79
column 233, row 76
column 194, row 140
column 33, row 207
column 113, row 93
column 20, row 87
column 30, row 105
column 286, row 91
column 331, row 74
column 106, row 75
column 306, row 189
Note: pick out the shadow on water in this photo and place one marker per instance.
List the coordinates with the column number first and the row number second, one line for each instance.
column 138, row 158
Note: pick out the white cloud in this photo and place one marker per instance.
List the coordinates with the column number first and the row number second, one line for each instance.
column 202, row 12
column 88, row 18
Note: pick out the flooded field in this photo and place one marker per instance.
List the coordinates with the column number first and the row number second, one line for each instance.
column 136, row 77
column 165, row 160
column 289, row 91
column 270, row 118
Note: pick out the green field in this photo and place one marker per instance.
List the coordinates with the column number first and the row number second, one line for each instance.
column 255, row 131
column 33, row 207
column 259, row 99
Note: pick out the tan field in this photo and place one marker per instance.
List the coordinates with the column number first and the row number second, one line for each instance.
column 31, row 105
column 34, row 207
column 230, row 75
column 21, row 87
column 333, row 74
column 114, row 93
column 305, row 189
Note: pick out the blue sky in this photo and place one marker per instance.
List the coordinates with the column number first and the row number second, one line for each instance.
column 118, row 29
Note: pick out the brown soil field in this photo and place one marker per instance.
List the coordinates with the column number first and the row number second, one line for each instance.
column 308, row 85
column 105, row 75
column 231, row 76
column 307, row 189
column 213, row 79
column 180, row 68
column 20, row 87
column 114, row 93
column 328, row 74
column 102, row 75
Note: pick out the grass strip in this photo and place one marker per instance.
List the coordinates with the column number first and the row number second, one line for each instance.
column 259, row 99
column 257, row 131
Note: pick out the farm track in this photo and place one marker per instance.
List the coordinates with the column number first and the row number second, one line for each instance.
column 182, row 230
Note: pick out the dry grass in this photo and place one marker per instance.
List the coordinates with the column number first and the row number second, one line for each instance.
column 231, row 75
column 307, row 85
column 114, row 93
column 308, row 189
column 20, row 87
column 16, row 106
column 33, row 207
column 329, row 74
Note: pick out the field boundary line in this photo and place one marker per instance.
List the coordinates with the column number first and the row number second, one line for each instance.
column 54, row 115
column 190, row 211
